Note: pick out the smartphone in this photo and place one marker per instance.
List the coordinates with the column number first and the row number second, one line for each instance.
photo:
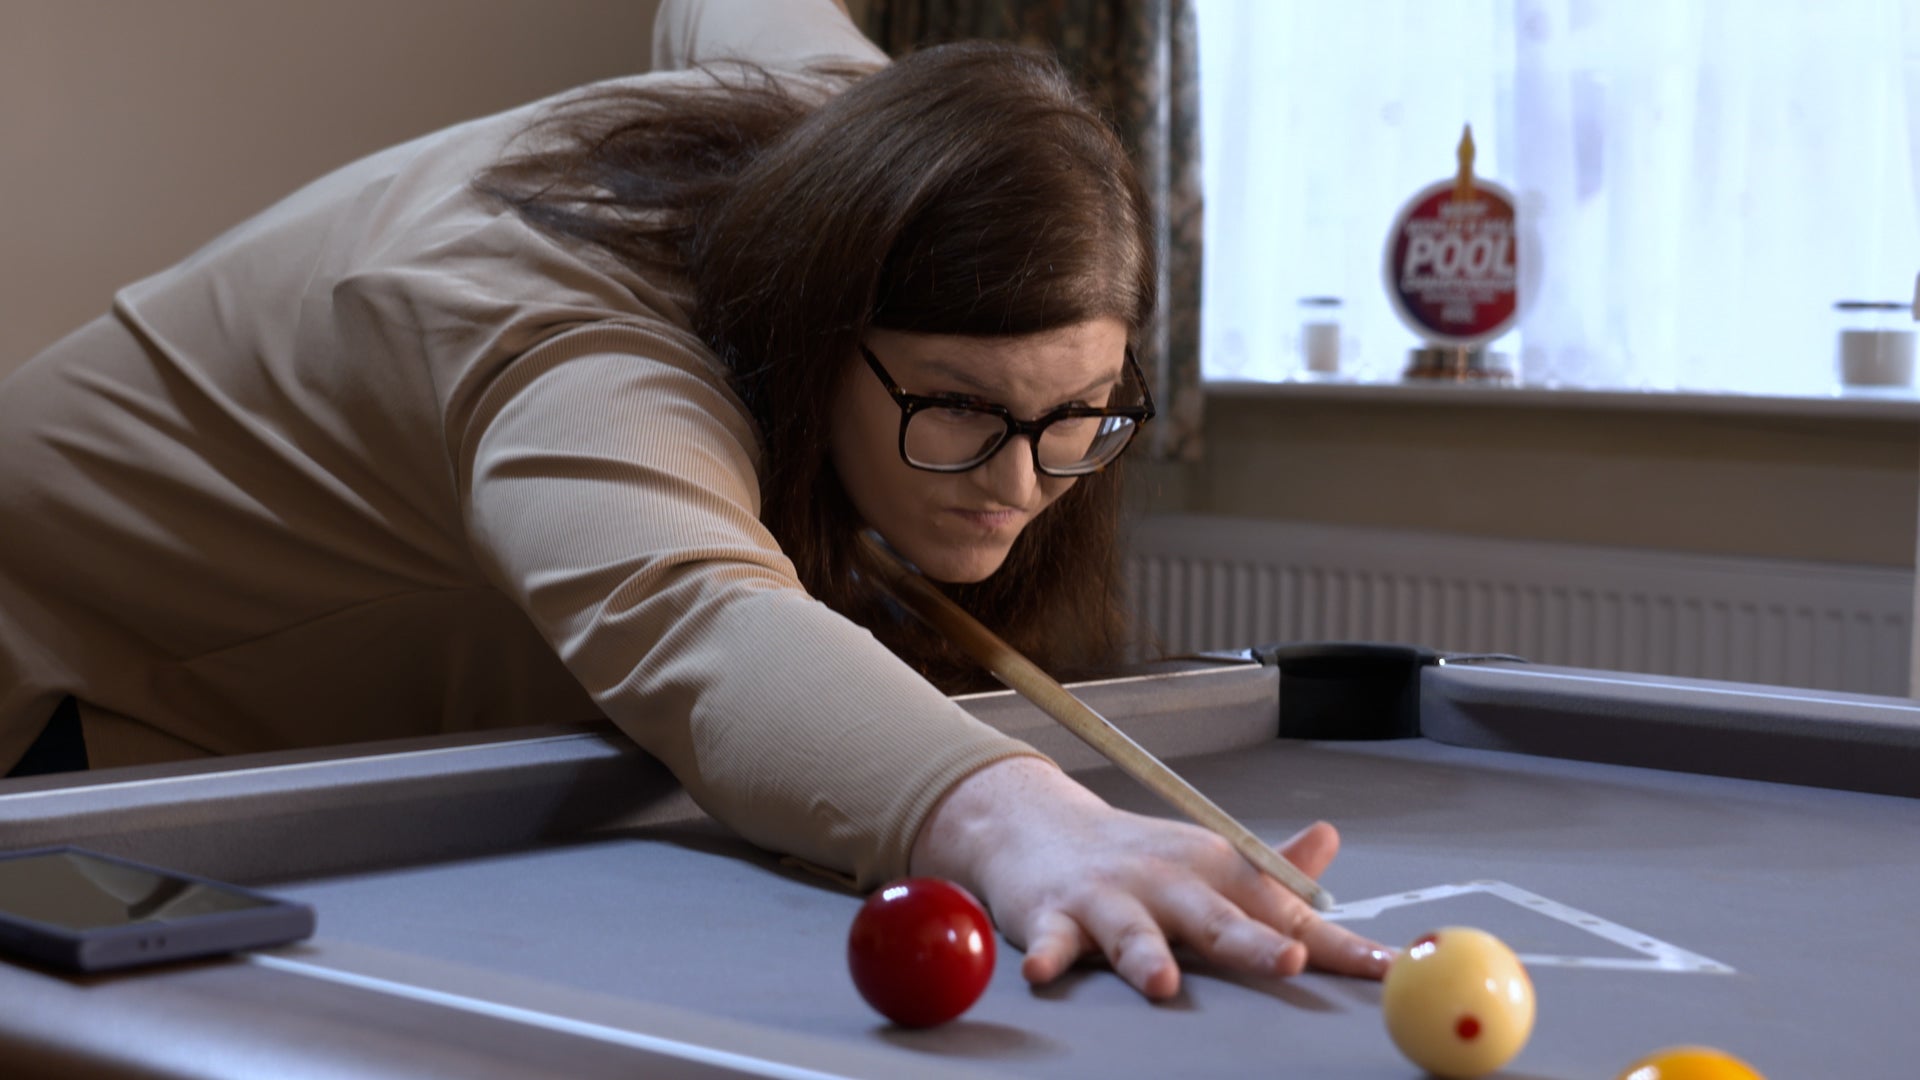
column 83, row 911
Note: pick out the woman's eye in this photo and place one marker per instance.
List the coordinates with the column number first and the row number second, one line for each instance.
column 960, row 401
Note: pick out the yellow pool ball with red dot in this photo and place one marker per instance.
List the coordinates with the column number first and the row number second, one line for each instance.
column 1458, row 1003
column 1690, row 1063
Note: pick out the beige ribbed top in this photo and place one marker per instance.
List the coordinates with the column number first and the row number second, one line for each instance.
column 385, row 461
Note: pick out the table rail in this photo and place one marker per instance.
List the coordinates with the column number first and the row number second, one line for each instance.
column 1852, row 742
column 309, row 813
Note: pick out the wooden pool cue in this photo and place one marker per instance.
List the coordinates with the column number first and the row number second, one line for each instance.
column 1025, row 677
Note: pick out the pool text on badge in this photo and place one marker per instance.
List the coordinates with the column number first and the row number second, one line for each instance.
column 1452, row 261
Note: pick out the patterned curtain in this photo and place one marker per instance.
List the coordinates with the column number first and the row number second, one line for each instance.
column 1138, row 58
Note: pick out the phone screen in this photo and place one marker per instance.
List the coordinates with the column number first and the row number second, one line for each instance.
column 80, row 892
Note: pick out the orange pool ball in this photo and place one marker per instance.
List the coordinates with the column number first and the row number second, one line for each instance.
column 1690, row 1063
column 1458, row 1003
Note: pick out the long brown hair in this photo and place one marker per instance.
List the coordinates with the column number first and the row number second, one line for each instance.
column 966, row 189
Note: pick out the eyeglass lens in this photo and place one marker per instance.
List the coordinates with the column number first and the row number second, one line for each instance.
column 945, row 438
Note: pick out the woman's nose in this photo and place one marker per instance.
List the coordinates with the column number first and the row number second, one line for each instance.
column 1008, row 476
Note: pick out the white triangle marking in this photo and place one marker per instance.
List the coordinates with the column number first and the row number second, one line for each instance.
column 1654, row 954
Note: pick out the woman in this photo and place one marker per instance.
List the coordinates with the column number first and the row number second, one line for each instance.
column 578, row 410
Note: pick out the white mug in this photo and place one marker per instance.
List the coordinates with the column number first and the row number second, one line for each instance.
column 1876, row 357
column 1320, row 341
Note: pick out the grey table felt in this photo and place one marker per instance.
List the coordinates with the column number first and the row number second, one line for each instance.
column 1808, row 894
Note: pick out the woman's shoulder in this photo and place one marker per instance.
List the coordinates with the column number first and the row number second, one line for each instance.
column 395, row 262
column 411, row 216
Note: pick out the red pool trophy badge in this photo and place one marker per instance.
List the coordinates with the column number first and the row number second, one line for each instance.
column 1452, row 272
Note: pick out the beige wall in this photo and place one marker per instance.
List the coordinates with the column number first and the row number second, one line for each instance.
column 1840, row 490
column 131, row 131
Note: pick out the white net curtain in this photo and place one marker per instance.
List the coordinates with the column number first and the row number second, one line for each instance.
column 1702, row 179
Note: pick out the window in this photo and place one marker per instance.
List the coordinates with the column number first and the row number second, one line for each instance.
column 1699, row 181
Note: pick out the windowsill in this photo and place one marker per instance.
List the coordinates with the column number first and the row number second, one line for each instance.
column 1864, row 403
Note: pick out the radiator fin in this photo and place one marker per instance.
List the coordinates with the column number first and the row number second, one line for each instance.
column 1202, row 582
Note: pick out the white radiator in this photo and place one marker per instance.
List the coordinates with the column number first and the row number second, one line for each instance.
column 1203, row 582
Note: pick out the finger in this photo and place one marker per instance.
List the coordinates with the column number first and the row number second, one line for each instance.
column 1054, row 942
column 1329, row 946
column 1332, row 947
column 1225, row 936
column 1313, row 848
column 1133, row 943
column 1265, row 899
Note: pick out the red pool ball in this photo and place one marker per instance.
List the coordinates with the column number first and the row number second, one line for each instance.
column 921, row 951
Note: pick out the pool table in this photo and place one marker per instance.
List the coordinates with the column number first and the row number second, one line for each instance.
column 1677, row 861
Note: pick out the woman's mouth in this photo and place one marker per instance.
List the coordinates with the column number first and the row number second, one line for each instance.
column 988, row 520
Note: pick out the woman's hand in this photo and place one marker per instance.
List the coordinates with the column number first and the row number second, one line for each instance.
column 1065, row 874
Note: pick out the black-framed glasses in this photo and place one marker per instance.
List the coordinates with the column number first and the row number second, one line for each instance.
column 950, row 434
